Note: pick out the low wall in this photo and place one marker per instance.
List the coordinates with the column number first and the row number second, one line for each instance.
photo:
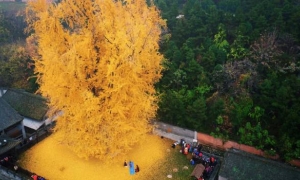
column 218, row 143
column 175, row 133
column 176, row 130
column 295, row 162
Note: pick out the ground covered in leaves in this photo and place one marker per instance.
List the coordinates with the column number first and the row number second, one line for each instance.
column 155, row 157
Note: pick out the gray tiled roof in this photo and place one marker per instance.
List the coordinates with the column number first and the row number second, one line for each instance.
column 238, row 165
column 10, row 144
column 8, row 116
column 27, row 104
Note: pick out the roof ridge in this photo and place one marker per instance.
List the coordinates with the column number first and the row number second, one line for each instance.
column 22, row 91
column 262, row 158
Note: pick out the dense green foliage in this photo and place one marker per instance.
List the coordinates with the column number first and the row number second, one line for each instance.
column 12, row 22
column 233, row 70
column 16, row 66
column 16, row 69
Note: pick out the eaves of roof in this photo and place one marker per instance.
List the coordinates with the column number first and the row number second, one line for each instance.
column 241, row 165
column 27, row 104
column 8, row 116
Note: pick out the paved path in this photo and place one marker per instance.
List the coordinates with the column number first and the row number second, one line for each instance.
column 173, row 136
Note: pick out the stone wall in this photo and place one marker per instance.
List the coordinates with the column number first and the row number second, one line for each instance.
column 174, row 132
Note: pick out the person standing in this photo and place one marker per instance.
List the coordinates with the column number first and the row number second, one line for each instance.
column 131, row 168
column 16, row 168
column 34, row 177
column 199, row 148
column 137, row 169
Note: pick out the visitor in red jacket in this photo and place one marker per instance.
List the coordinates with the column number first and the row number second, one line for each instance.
column 34, row 177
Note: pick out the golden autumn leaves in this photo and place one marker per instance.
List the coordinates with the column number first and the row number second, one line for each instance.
column 98, row 62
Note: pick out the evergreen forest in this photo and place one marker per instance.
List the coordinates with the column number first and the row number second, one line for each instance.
column 231, row 68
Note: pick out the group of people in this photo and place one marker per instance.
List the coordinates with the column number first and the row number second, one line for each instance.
column 137, row 168
column 198, row 157
column 208, row 162
column 10, row 163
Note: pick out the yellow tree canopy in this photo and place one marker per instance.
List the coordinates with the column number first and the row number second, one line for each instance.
column 98, row 61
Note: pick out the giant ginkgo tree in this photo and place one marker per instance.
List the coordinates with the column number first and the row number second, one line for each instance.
column 97, row 62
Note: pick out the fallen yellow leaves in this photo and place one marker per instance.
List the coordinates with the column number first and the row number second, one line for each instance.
column 54, row 161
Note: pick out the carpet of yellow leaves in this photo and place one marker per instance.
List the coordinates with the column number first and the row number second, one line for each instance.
column 52, row 160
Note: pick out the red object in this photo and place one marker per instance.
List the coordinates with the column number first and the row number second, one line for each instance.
column 34, row 177
column 186, row 150
column 212, row 159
